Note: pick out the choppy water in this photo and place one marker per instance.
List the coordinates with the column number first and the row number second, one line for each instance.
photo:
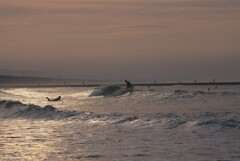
column 157, row 123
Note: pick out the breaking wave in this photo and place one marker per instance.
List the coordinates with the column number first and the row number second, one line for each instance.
column 222, row 123
column 16, row 109
column 110, row 91
column 192, row 94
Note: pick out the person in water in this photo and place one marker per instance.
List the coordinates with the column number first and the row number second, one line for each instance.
column 129, row 85
column 56, row 99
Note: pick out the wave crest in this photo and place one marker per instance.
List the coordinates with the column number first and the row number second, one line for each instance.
column 110, row 91
column 9, row 104
column 16, row 109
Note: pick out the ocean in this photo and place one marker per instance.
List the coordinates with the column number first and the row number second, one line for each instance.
column 164, row 123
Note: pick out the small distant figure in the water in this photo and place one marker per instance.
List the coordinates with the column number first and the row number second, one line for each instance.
column 129, row 85
column 209, row 89
column 55, row 99
column 216, row 87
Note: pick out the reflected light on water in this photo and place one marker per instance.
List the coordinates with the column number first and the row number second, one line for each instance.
column 72, row 99
column 27, row 140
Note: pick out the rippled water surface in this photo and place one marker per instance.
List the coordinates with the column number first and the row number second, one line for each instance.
column 156, row 123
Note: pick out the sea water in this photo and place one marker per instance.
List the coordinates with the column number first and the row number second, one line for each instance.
column 174, row 123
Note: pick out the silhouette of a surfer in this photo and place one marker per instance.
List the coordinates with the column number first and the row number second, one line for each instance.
column 129, row 85
column 55, row 99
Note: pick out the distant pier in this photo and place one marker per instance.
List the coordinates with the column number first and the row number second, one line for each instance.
column 134, row 84
column 187, row 84
column 35, row 82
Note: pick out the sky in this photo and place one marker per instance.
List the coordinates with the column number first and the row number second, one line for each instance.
column 122, row 39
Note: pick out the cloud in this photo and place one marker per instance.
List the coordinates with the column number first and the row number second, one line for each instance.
column 120, row 7
column 206, row 3
column 149, row 33
column 142, row 26
column 12, row 11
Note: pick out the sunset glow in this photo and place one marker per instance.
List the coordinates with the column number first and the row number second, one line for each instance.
column 133, row 38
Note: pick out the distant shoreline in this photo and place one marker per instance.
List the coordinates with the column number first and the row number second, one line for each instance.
column 35, row 82
column 136, row 85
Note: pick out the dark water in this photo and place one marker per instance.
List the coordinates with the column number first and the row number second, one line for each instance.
column 161, row 123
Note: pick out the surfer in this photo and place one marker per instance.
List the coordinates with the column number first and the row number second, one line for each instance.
column 56, row 99
column 129, row 85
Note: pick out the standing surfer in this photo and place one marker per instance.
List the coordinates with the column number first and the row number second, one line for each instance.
column 129, row 85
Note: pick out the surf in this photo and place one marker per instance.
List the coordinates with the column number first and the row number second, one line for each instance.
column 111, row 90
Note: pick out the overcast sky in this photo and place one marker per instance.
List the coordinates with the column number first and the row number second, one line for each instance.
column 151, row 39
